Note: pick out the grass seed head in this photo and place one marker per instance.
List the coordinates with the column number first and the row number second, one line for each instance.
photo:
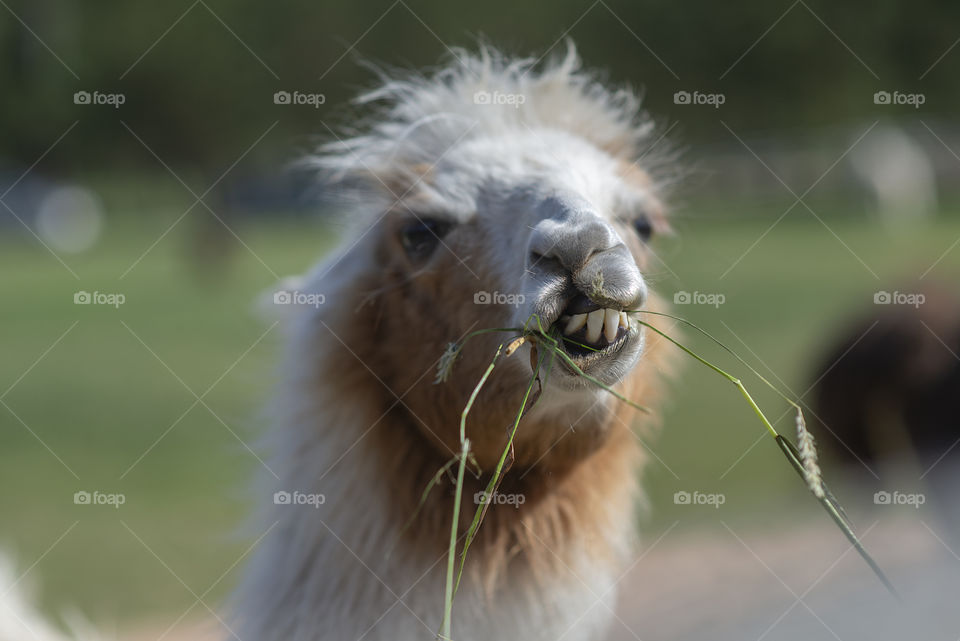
column 808, row 456
column 445, row 364
column 512, row 347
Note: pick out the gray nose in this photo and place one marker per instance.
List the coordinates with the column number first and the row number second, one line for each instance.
column 572, row 236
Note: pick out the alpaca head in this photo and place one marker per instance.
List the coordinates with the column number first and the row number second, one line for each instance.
column 500, row 194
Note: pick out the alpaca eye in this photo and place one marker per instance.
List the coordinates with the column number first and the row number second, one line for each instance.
column 643, row 227
column 420, row 237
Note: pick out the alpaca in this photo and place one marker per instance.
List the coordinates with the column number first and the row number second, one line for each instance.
column 482, row 194
column 887, row 393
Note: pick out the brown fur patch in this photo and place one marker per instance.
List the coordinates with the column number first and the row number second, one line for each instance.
column 579, row 486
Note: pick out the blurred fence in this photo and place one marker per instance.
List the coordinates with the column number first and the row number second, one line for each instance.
column 897, row 170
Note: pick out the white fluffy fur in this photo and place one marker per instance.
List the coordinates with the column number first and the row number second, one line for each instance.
column 20, row 620
column 418, row 117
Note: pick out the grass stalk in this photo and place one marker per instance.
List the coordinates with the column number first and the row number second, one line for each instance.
column 448, row 591
column 544, row 343
column 452, row 550
column 498, row 472
column 800, row 463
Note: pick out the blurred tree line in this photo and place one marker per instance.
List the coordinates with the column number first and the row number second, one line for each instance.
column 198, row 76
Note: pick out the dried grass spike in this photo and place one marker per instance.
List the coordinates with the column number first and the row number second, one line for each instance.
column 445, row 364
column 512, row 347
column 808, row 456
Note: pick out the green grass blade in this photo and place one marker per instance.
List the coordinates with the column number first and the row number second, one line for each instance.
column 833, row 508
column 723, row 346
column 494, row 481
column 452, row 551
column 829, row 502
column 458, row 494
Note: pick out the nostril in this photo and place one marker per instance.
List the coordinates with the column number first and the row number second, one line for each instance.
column 572, row 241
column 542, row 260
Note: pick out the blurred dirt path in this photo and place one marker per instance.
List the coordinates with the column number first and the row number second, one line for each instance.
column 738, row 583
column 744, row 585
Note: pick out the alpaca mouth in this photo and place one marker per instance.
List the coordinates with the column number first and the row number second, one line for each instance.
column 589, row 332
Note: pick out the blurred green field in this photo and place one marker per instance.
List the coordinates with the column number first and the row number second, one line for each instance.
column 100, row 400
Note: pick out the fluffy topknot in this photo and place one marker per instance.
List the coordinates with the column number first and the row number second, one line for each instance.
column 420, row 116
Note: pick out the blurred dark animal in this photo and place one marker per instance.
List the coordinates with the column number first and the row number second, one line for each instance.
column 888, row 392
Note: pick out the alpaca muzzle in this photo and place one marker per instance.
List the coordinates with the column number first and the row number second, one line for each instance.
column 573, row 239
column 602, row 285
column 596, row 323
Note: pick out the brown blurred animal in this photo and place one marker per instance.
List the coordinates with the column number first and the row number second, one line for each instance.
column 892, row 381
